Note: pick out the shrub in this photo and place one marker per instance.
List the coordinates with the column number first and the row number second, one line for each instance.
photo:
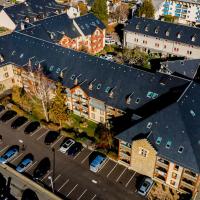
column 112, row 155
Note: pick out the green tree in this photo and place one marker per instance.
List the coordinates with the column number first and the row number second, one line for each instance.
column 99, row 8
column 146, row 10
column 58, row 108
column 83, row 8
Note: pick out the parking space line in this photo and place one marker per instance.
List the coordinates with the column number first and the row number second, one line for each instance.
column 47, row 175
column 57, row 178
column 93, row 197
column 36, row 131
column 23, row 125
column 11, row 119
column 42, row 135
column 56, row 142
column 112, row 170
column 72, row 190
column 31, row 166
column 63, row 185
column 4, row 148
column 86, row 158
column 121, row 174
column 82, row 194
column 104, row 164
column 77, row 155
column 130, row 179
column 16, row 157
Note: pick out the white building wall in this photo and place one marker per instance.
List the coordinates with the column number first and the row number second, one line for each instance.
column 5, row 21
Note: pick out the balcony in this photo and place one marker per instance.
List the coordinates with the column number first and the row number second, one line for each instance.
column 159, row 177
column 185, row 189
column 124, row 161
column 162, row 163
column 161, row 171
column 125, row 153
column 187, row 183
column 190, row 175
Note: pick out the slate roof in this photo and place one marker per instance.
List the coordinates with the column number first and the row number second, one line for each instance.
column 106, row 75
column 88, row 23
column 186, row 68
column 31, row 9
column 186, row 32
column 177, row 123
column 60, row 25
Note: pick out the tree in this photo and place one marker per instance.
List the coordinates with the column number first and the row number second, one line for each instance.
column 99, row 8
column 146, row 10
column 83, row 8
column 121, row 12
column 58, row 107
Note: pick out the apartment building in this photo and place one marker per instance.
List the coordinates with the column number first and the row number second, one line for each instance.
column 185, row 12
column 154, row 36
column 162, row 144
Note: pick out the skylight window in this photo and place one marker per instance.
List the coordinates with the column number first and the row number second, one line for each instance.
column 98, row 86
column 158, row 141
column 13, row 53
column 180, row 149
column 192, row 113
column 107, row 89
column 152, row 95
column 149, row 124
column 21, row 55
column 51, row 68
column 82, row 27
column 137, row 100
column 72, row 77
column 155, row 95
column 58, row 70
column 149, row 94
column 168, row 145
column 97, row 21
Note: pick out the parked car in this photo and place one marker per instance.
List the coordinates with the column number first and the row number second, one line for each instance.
column 8, row 115
column 109, row 41
column 66, row 145
column 42, row 168
column 97, row 163
column 75, row 148
column 145, row 186
column 51, row 137
column 19, row 122
column 29, row 194
column 33, row 126
column 2, row 108
column 11, row 153
column 24, row 164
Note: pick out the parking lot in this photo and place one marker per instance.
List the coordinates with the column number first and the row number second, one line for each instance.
column 72, row 178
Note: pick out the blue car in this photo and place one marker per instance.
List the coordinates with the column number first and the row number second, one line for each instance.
column 6, row 157
column 97, row 163
column 24, row 164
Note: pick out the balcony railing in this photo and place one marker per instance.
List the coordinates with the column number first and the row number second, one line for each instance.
column 163, row 163
column 159, row 177
column 187, row 185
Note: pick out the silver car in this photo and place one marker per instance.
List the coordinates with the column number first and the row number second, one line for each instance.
column 145, row 187
column 65, row 146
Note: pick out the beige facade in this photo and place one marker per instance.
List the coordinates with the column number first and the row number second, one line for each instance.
column 5, row 21
column 155, row 44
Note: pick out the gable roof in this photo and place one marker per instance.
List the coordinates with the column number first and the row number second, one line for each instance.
column 185, row 68
column 158, row 29
column 123, row 80
column 177, row 124
column 88, row 23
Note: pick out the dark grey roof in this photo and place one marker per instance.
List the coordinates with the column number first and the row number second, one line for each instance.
column 37, row 31
column 60, row 25
column 88, row 23
column 186, row 32
column 32, row 9
column 177, row 123
column 123, row 80
column 187, row 68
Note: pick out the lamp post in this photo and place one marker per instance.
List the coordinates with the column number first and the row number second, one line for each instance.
column 51, row 180
column 54, row 165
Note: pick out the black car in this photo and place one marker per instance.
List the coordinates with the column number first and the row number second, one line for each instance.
column 42, row 168
column 2, row 108
column 51, row 137
column 75, row 148
column 31, row 127
column 18, row 122
column 8, row 115
column 29, row 194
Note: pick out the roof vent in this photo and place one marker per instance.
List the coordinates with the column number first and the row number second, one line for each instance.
column 180, row 149
column 1, row 58
column 192, row 113
column 149, row 124
column 158, row 141
column 128, row 100
column 91, row 84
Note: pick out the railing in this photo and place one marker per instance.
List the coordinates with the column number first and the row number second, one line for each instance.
column 162, row 163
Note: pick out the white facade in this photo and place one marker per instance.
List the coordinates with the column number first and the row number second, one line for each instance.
column 73, row 12
column 185, row 12
column 5, row 21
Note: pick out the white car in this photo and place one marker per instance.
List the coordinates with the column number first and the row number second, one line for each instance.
column 145, row 187
column 65, row 146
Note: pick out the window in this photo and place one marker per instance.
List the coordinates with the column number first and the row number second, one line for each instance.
column 172, row 182
column 101, row 112
column 149, row 124
column 167, row 33
column 178, row 35
column 168, row 145
column 143, row 152
column 189, row 52
column 93, row 109
column 174, row 175
column 165, row 46
column 137, row 100
column 158, row 141
column 157, row 45
column 138, row 26
column 92, row 115
column 102, row 119
column 193, row 38
column 192, row 113
column 98, row 86
column 72, row 77
column 176, row 167
column 5, row 68
column 152, row 95
column 147, row 28
column 107, row 89
column 180, row 149
column 6, row 75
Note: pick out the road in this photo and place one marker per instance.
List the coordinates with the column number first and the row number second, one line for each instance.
column 72, row 179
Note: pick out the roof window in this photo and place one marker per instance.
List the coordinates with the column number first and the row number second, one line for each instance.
column 152, row 95
column 98, row 86
column 192, row 113
column 158, row 141
column 156, row 30
column 179, row 35
column 21, row 55
column 138, row 26
column 193, row 38
column 1, row 58
column 149, row 124
column 107, row 89
column 167, row 33
column 180, row 149
column 168, row 145
column 72, row 77
column 137, row 100
column 147, row 28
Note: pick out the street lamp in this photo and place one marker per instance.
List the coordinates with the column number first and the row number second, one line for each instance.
column 50, row 178
column 54, row 164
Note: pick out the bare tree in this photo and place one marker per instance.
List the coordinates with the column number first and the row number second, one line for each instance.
column 121, row 12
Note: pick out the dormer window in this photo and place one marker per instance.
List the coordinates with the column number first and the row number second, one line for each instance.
column 138, row 26
column 156, row 30
column 1, row 58
column 179, row 35
column 167, row 33
column 193, row 38
column 147, row 28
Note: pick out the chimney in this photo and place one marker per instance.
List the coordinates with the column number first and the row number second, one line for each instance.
column 76, row 81
column 29, row 62
column 91, row 84
column 1, row 58
column 128, row 99
column 22, row 26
